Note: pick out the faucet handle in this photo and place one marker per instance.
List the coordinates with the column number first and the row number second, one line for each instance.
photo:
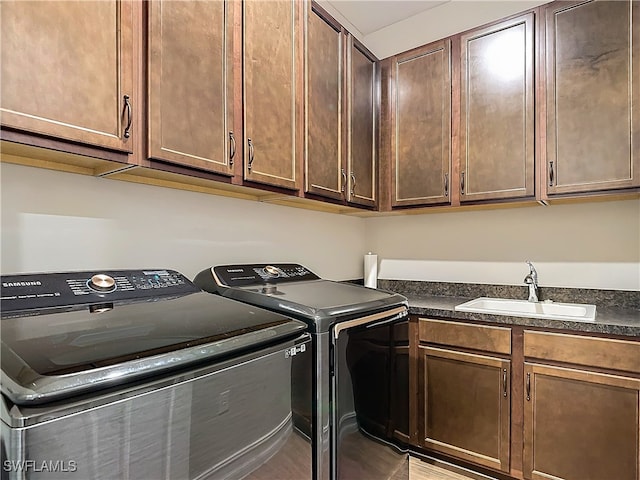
column 532, row 273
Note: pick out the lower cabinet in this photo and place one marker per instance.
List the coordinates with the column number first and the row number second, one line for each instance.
column 534, row 404
column 466, row 408
column 464, row 398
column 580, row 425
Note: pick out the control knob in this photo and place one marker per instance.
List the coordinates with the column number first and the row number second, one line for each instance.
column 271, row 271
column 102, row 283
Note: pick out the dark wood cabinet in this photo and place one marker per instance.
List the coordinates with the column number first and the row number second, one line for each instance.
column 362, row 130
column 592, row 96
column 420, row 125
column 272, row 92
column 581, row 423
column 190, row 92
column 278, row 96
column 325, row 169
column 68, row 71
column 465, row 396
column 342, row 114
column 497, row 111
column 572, row 411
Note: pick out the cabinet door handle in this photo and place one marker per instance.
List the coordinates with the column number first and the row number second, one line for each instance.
column 353, row 183
column 446, row 184
column 127, row 106
column 250, row 144
column 504, row 382
column 462, row 183
column 528, row 387
column 344, row 180
column 551, row 175
column 232, row 148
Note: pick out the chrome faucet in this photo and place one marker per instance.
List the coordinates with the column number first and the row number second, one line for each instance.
column 532, row 281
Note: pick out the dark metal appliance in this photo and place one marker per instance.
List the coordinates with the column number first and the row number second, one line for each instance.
column 360, row 393
column 137, row 374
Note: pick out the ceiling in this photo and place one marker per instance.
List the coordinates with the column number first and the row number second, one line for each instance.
column 371, row 16
column 388, row 27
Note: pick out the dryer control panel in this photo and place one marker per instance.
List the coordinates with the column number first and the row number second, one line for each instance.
column 46, row 290
column 259, row 274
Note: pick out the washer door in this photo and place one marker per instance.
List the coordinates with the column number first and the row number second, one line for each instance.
column 369, row 389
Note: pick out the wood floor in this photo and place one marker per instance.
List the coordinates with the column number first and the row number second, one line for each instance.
column 419, row 470
column 292, row 462
column 362, row 459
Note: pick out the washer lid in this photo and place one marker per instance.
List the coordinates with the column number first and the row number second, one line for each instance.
column 53, row 353
column 320, row 303
column 294, row 290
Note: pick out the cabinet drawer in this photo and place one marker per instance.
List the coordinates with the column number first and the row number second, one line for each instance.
column 466, row 335
column 596, row 352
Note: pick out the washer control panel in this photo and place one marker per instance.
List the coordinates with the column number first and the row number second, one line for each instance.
column 45, row 290
column 259, row 274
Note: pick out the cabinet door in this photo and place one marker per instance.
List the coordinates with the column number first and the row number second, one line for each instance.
column 67, row 70
column 190, row 84
column 592, row 88
column 580, row 425
column 466, row 406
column 270, row 91
column 421, row 126
column 497, row 111
column 325, row 173
column 362, row 144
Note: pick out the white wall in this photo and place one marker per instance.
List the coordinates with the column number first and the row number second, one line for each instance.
column 61, row 221
column 54, row 221
column 590, row 245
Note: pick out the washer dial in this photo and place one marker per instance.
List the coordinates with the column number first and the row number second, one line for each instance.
column 102, row 283
column 272, row 271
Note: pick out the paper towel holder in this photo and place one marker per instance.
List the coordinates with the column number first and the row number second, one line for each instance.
column 371, row 270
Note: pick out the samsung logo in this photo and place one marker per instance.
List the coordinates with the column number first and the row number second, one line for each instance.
column 37, row 283
column 235, row 270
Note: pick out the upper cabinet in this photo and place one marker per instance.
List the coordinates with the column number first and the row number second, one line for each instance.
column 341, row 114
column 272, row 91
column 593, row 94
column 420, row 125
column 277, row 96
column 362, row 131
column 190, row 78
column 67, row 71
column 497, row 111
column 325, row 173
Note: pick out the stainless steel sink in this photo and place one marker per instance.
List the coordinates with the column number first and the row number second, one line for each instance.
column 523, row 308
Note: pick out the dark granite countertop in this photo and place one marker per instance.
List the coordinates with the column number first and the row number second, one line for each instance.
column 617, row 313
column 609, row 320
